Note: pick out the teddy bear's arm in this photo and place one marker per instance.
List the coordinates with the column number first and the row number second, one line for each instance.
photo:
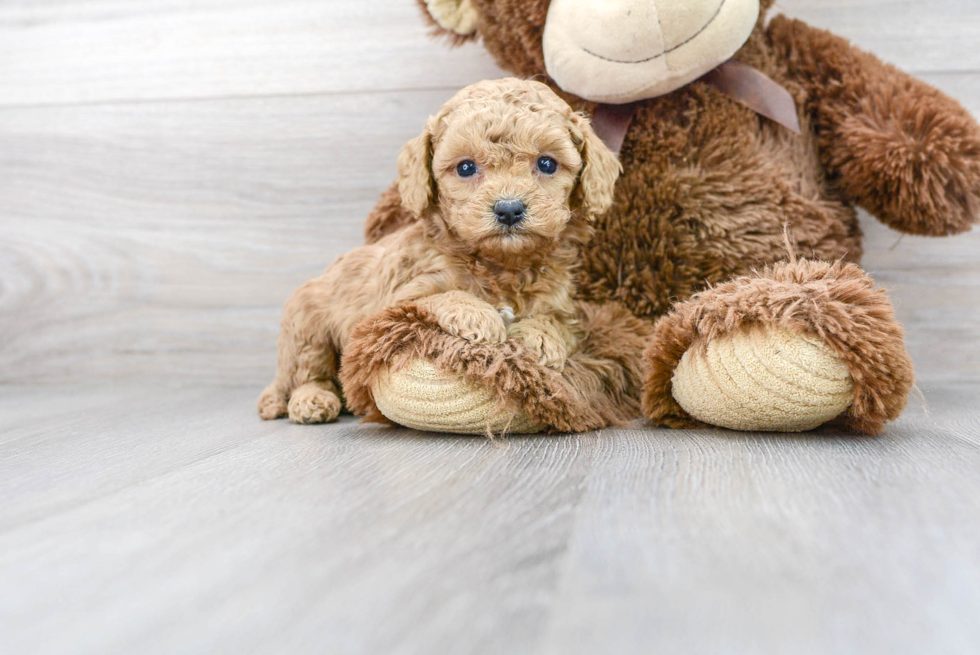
column 387, row 216
column 898, row 147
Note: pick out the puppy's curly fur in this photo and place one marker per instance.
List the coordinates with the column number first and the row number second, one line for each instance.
column 458, row 261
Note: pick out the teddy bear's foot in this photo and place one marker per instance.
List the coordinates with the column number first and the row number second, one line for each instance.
column 400, row 366
column 787, row 349
column 762, row 377
column 422, row 397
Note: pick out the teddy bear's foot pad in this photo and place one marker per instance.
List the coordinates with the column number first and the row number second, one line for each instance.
column 763, row 378
column 422, row 397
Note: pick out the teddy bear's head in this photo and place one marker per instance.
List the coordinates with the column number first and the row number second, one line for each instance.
column 610, row 51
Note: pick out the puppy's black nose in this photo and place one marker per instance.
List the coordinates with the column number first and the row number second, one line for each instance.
column 509, row 211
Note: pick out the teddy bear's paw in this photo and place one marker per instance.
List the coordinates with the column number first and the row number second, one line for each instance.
column 312, row 403
column 763, row 378
column 423, row 397
column 272, row 404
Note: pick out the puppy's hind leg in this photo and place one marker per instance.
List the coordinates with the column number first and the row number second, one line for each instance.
column 304, row 388
column 272, row 402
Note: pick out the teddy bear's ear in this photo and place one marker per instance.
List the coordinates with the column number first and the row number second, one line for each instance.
column 415, row 172
column 600, row 170
column 455, row 16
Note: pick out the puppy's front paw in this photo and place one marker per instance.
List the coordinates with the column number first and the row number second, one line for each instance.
column 468, row 317
column 476, row 324
column 545, row 342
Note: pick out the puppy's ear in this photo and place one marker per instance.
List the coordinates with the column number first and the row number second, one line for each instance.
column 600, row 170
column 457, row 18
column 415, row 183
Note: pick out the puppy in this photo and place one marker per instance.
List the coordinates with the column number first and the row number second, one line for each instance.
column 505, row 182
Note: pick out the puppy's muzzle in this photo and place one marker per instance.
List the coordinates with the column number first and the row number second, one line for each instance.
column 509, row 211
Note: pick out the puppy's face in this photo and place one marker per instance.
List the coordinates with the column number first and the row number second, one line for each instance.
column 504, row 179
column 504, row 168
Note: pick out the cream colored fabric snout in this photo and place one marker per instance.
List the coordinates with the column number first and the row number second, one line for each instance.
column 422, row 397
column 619, row 51
column 765, row 379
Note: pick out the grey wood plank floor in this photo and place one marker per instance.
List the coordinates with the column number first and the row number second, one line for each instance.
column 147, row 520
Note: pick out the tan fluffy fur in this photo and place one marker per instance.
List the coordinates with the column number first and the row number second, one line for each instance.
column 456, row 263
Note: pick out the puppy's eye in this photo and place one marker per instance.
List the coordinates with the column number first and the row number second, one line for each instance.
column 547, row 165
column 466, row 168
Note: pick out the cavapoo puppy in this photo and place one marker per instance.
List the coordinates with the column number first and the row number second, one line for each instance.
column 505, row 181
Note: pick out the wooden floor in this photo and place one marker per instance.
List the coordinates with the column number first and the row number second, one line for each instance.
column 135, row 520
column 171, row 170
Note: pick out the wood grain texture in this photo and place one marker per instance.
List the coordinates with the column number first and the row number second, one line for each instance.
column 174, row 521
column 85, row 51
column 919, row 37
column 163, row 238
column 722, row 542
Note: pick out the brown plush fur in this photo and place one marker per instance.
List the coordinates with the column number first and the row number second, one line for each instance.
column 599, row 386
column 836, row 302
column 456, row 262
column 709, row 186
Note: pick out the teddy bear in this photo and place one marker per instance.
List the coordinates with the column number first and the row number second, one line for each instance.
column 723, row 287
